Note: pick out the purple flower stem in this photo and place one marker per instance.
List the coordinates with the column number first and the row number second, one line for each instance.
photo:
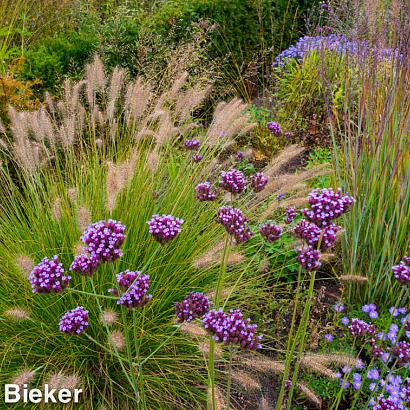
column 131, row 380
column 218, row 291
column 91, row 294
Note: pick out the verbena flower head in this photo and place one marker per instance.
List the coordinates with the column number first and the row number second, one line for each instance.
column 48, row 276
column 163, row 228
column 259, row 181
column 74, row 321
column 402, row 273
column 326, row 205
column 401, row 351
column 204, row 192
column 239, row 156
column 192, row 144
column 290, row 215
column 274, row 128
column 136, row 295
column 309, row 258
column 235, row 223
column 126, row 278
column 233, row 181
column 197, row 157
column 85, row 264
column 271, row 232
column 194, row 305
column 308, row 231
column 104, row 239
column 232, row 328
column 360, row 328
column 387, row 404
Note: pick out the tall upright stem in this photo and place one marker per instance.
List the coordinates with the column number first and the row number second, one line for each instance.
column 211, row 359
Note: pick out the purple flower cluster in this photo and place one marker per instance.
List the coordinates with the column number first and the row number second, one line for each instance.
column 74, row 321
column 48, row 276
column 232, row 328
column 136, row 295
column 274, row 128
column 197, row 157
column 371, row 310
column 359, row 328
column 402, row 352
column 235, row 223
column 290, row 215
column 204, row 192
column 309, row 258
column 259, row 181
column 85, row 264
column 163, row 228
column 387, row 404
column 125, row 279
column 104, row 240
column 337, row 43
column 194, row 305
column 326, row 205
column 402, row 270
column 233, row 181
column 271, row 232
column 192, row 144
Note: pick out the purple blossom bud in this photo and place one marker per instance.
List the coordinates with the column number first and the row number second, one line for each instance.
column 258, row 181
column 233, row 181
column 235, row 223
column 204, row 192
column 402, row 273
column 85, row 264
column 48, row 276
column 271, row 232
column 136, row 295
column 309, row 258
column 192, row 144
column 274, row 128
column 402, row 352
column 338, row 307
column 239, row 156
column 197, row 157
column 74, row 321
column 164, row 228
column 194, row 305
column 290, row 215
column 104, row 239
column 329, row 338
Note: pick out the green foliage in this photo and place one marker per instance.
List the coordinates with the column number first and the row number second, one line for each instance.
column 55, row 57
column 318, row 156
